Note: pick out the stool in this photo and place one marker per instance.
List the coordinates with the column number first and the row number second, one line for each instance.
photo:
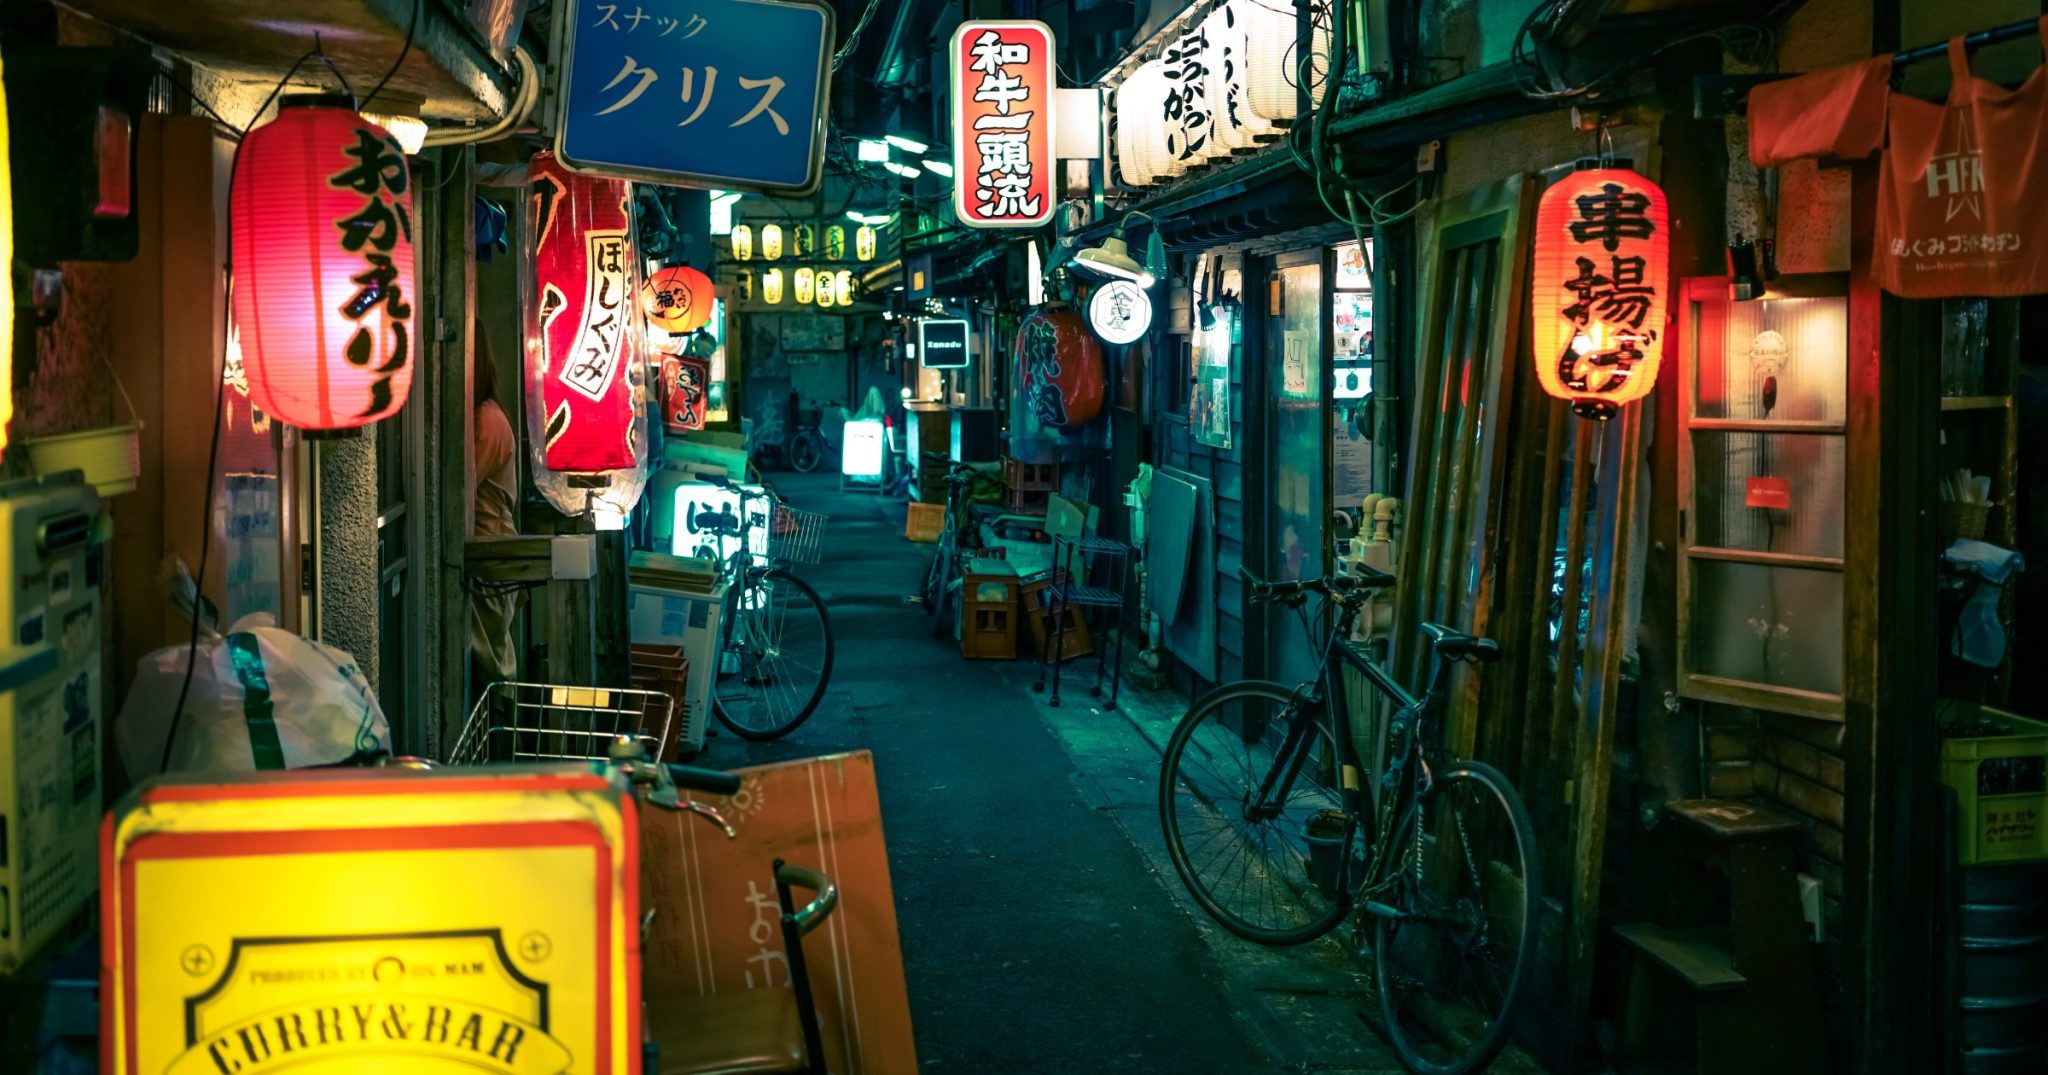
column 1743, row 966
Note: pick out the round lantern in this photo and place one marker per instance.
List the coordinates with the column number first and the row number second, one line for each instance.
column 842, row 288
column 678, row 299
column 771, row 242
column 322, row 231
column 771, row 287
column 1059, row 368
column 742, row 242
column 1602, row 269
column 864, row 243
column 805, row 278
column 835, row 242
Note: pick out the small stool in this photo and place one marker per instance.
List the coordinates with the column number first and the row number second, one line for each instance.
column 1743, row 965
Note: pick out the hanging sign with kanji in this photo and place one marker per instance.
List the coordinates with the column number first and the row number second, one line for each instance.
column 1003, row 124
column 584, row 338
column 1602, row 261
column 711, row 93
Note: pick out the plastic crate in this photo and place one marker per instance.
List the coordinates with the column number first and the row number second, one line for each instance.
column 2001, row 785
column 924, row 522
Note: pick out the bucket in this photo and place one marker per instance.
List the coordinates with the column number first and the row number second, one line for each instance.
column 1326, row 834
column 111, row 457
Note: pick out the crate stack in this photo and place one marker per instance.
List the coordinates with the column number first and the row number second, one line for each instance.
column 1030, row 484
column 988, row 610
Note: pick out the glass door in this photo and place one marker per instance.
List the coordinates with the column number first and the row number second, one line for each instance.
column 1296, row 433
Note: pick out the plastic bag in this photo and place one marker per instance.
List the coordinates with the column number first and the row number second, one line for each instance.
column 261, row 698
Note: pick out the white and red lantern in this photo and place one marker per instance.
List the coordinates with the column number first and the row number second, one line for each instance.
column 1602, row 266
column 322, row 230
column 583, row 333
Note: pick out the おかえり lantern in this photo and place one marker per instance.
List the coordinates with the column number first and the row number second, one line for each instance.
column 1602, row 263
column 1059, row 368
column 678, row 299
column 322, row 231
column 584, row 350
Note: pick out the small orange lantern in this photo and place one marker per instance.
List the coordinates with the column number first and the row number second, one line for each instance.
column 678, row 299
column 1602, row 263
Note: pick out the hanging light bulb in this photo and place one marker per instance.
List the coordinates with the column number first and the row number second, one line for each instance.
column 771, row 286
column 864, row 243
column 771, row 242
column 805, row 279
column 742, row 242
column 842, row 287
column 835, row 242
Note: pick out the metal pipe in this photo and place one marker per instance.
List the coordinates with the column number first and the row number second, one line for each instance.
column 2011, row 31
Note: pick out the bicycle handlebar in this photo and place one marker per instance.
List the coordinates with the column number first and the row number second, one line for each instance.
column 710, row 781
column 1339, row 586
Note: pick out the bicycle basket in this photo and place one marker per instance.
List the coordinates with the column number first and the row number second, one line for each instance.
column 795, row 536
column 553, row 722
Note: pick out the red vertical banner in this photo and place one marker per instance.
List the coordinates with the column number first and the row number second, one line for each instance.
column 587, row 335
column 1602, row 265
column 1003, row 160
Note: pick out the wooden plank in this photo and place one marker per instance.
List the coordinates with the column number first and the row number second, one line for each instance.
column 1731, row 778
column 450, row 437
column 1699, row 957
column 1746, row 425
column 1727, row 691
column 1767, row 559
column 1730, row 819
column 1824, row 735
column 1805, row 759
column 1730, row 744
column 1975, row 403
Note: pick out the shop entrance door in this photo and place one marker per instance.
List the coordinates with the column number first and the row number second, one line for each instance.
column 1295, row 441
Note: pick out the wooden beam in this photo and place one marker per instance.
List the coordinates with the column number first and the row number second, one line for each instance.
column 448, row 464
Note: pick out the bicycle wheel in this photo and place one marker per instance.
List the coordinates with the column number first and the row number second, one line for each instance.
column 783, row 641
column 939, row 588
column 806, row 452
column 1251, row 867
column 1453, row 965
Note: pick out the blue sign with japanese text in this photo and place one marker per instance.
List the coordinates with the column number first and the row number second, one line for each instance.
column 711, row 93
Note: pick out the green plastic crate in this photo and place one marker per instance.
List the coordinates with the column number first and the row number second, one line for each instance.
column 2001, row 784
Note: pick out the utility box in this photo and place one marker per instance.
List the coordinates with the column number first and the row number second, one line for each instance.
column 50, row 713
column 680, row 602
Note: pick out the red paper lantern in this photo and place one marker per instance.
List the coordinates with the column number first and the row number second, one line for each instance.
column 1603, row 245
column 322, row 230
column 1059, row 368
column 582, row 338
column 678, row 299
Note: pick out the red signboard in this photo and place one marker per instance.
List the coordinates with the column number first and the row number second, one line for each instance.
column 1002, row 124
column 1603, row 253
column 583, row 338
column 1769, row 493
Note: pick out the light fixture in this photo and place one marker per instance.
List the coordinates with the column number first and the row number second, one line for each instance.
column 771, row 287
column 771, row 242
column 872, row 151
column 399, row 113
column 904, row 170
column 742, row 242
column 944, row 168
column 864, row 243
column 1113, row 260
column 805, row 279
column 907, row 145
column 724, row 203
column 842, row 287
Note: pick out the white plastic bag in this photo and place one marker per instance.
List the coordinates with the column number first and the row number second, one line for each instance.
column 261, row 698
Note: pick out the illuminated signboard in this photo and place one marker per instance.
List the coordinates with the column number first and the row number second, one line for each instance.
column 942, row 344
column 1003, row 124
column 1602, row 259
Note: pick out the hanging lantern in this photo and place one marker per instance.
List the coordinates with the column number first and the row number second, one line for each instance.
column 1059, row 368
column 584, row 364
column 804, row 239
column 678, row 299
column 685, row 386
column 1273, row 52
column 804, row 289
column 322, row 230
column 835, row 243
column 743, row 285
column 771, row 287
column 842, row 287
column 826, row 290
column 1237, row 126
column 771, row 242
column 743, row 242
column 1602, row 264
column 864, row 243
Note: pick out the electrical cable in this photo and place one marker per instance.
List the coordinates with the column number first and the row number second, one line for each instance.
column 853, row 39
column 410, row 31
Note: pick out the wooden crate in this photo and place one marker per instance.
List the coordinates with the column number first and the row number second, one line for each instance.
column 1077, row 642
column 924, row 522
column 988, row 610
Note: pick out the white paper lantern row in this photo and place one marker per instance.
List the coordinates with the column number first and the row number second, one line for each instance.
column 1237, row 126
column 1142, row 151
column 1273, row 53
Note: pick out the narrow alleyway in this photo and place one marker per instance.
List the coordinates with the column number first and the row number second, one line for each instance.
column 1042, row 930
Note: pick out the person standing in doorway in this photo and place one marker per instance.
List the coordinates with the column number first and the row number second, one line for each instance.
column 494, row 498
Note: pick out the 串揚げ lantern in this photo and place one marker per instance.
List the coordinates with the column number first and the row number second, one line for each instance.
column 583, row 340
column 1602, row 263
column 322, row 230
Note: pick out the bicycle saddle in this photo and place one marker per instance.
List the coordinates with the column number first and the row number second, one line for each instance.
column 1456, row 646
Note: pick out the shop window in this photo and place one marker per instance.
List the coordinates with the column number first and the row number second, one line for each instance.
column 1762, row 471
column 1351, row 352
column 1215, row 348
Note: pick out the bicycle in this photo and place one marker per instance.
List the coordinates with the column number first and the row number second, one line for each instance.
column 948, row 562
column 1274, row 830
column 806, row 447
column 775, row 637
